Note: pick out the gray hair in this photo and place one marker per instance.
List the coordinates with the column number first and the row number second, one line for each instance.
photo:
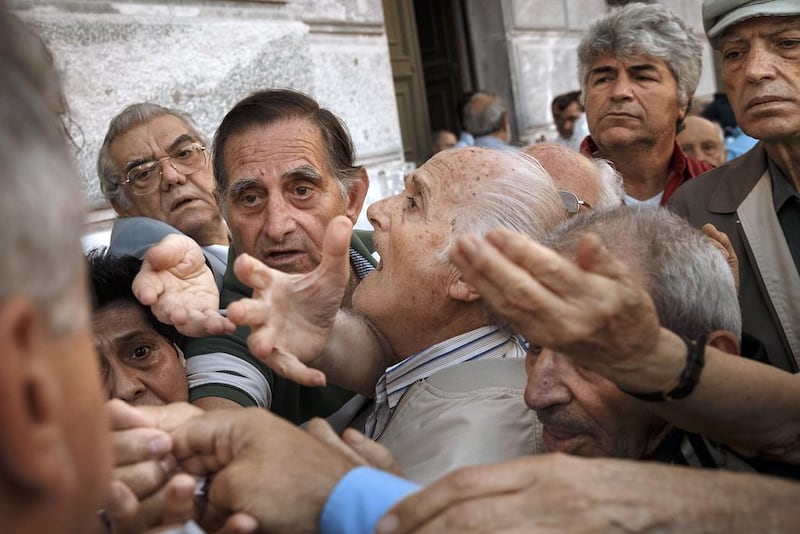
column 129, row 118
column 42, row 207
column 686, row 275
column 611, row 192
column 524, row 200
column 484, row 114
column 645, row 29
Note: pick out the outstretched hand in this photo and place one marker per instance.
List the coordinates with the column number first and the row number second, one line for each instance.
column 291, row 315
column 592, row 309
column 179, row 287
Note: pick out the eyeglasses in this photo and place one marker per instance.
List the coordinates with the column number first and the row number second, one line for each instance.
column 572, row 202
column 146, row 177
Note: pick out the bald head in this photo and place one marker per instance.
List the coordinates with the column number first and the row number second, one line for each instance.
column 703, row 140
column 593, row 182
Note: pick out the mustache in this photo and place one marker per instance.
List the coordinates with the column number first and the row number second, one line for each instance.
column 565, row 420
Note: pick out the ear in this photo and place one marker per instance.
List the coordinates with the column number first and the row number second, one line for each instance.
column 458, row 289
column 683, row 111
column 724, row 340
column 356, row 195
column 33, row 449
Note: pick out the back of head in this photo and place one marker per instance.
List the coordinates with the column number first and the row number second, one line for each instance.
column 593, row 180
column 644, row 29
column 110, row 283
column 132, row 116
column 41, row 204
column 685, row 273
column 484, row 114
column 270, row 106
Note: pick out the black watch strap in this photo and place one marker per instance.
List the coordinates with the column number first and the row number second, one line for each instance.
column 689, row 378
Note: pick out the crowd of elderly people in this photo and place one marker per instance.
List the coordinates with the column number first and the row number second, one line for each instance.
column 529, row 339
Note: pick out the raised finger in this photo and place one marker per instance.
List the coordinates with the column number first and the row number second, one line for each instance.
column 252, row 272
column 320, row 429
column 179, row 499
column 145, row 478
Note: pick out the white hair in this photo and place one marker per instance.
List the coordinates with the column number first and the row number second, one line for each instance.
column 611, row 192
column 42, row 209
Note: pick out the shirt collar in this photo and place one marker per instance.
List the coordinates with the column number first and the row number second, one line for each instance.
column 487, row 342
column 782, row 190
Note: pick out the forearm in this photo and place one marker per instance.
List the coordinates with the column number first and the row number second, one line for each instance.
column 737, row 401
column 355, row 354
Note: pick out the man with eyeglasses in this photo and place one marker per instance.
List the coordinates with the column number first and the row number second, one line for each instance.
column 155, row 171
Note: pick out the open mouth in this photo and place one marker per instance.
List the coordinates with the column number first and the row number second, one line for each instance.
column 181, row 202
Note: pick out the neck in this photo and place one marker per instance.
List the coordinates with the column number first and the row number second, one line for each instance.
column 347, row 300
column 644, row 168
column 430, row 331
column 787, row 157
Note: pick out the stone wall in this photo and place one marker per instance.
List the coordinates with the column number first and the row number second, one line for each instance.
column 203, row 56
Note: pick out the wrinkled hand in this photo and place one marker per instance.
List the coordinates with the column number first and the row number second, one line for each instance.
column 592, row 310
column 357, row 447
column 560, row 493
column 261, row 465
column 179, row 287
column 291, row 315
column 723, row 242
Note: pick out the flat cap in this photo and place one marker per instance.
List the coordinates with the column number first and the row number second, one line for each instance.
column 719, row 15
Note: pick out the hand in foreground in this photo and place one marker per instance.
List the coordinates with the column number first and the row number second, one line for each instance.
column 355, row 446
column 179, row 287
column 723, row 243
column 291, row 315
column 262, row 466
column 559, row 493
column 146, row 492
column 592, row 309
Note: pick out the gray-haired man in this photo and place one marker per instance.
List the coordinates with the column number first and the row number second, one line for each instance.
column 754, row 198
column 639, row 67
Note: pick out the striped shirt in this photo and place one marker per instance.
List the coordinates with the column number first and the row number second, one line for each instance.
column 487, row 342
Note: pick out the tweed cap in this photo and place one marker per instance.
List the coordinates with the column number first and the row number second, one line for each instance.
column 719, row 15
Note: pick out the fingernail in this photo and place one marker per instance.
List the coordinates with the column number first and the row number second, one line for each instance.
column 167, row 463
column 387, row 524
column 159, row 444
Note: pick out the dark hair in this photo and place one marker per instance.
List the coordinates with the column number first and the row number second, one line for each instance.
column 272, row 105
column 110, row 281
column 563, row 101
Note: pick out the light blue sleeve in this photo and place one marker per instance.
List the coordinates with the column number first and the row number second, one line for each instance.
column 360, row 499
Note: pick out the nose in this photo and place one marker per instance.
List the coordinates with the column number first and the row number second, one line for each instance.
column 169, row 175
column 760, row 64
column 622, row 88
column 279, row 218
column 126, row 385
column 377, row 213
column 545, row 386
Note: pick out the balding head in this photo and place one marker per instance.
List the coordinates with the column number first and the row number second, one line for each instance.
column 486, row 114
column 593, row 181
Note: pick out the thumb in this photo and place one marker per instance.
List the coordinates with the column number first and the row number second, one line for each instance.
column 336, row 250
column 170, row 251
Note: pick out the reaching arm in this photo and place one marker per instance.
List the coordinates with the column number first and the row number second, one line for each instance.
column 295, row 320
column 611, row 327
column 570, row 494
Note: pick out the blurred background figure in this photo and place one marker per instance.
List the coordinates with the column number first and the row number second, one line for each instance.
column 569, row 119
column 486, row 118
column 703, row 140
column 442, row 140
column 736, row 141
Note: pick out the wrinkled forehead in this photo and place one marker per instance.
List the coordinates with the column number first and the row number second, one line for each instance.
column 759, row 27
column 454, row 173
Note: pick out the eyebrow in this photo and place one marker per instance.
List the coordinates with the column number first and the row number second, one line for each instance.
column 304, row 172
column 602, row 70
column 239, row 186
column 178, row 142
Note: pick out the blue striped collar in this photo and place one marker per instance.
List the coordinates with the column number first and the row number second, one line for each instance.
column 487, row 342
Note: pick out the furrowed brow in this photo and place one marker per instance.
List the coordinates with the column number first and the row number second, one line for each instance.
column 239, row 186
